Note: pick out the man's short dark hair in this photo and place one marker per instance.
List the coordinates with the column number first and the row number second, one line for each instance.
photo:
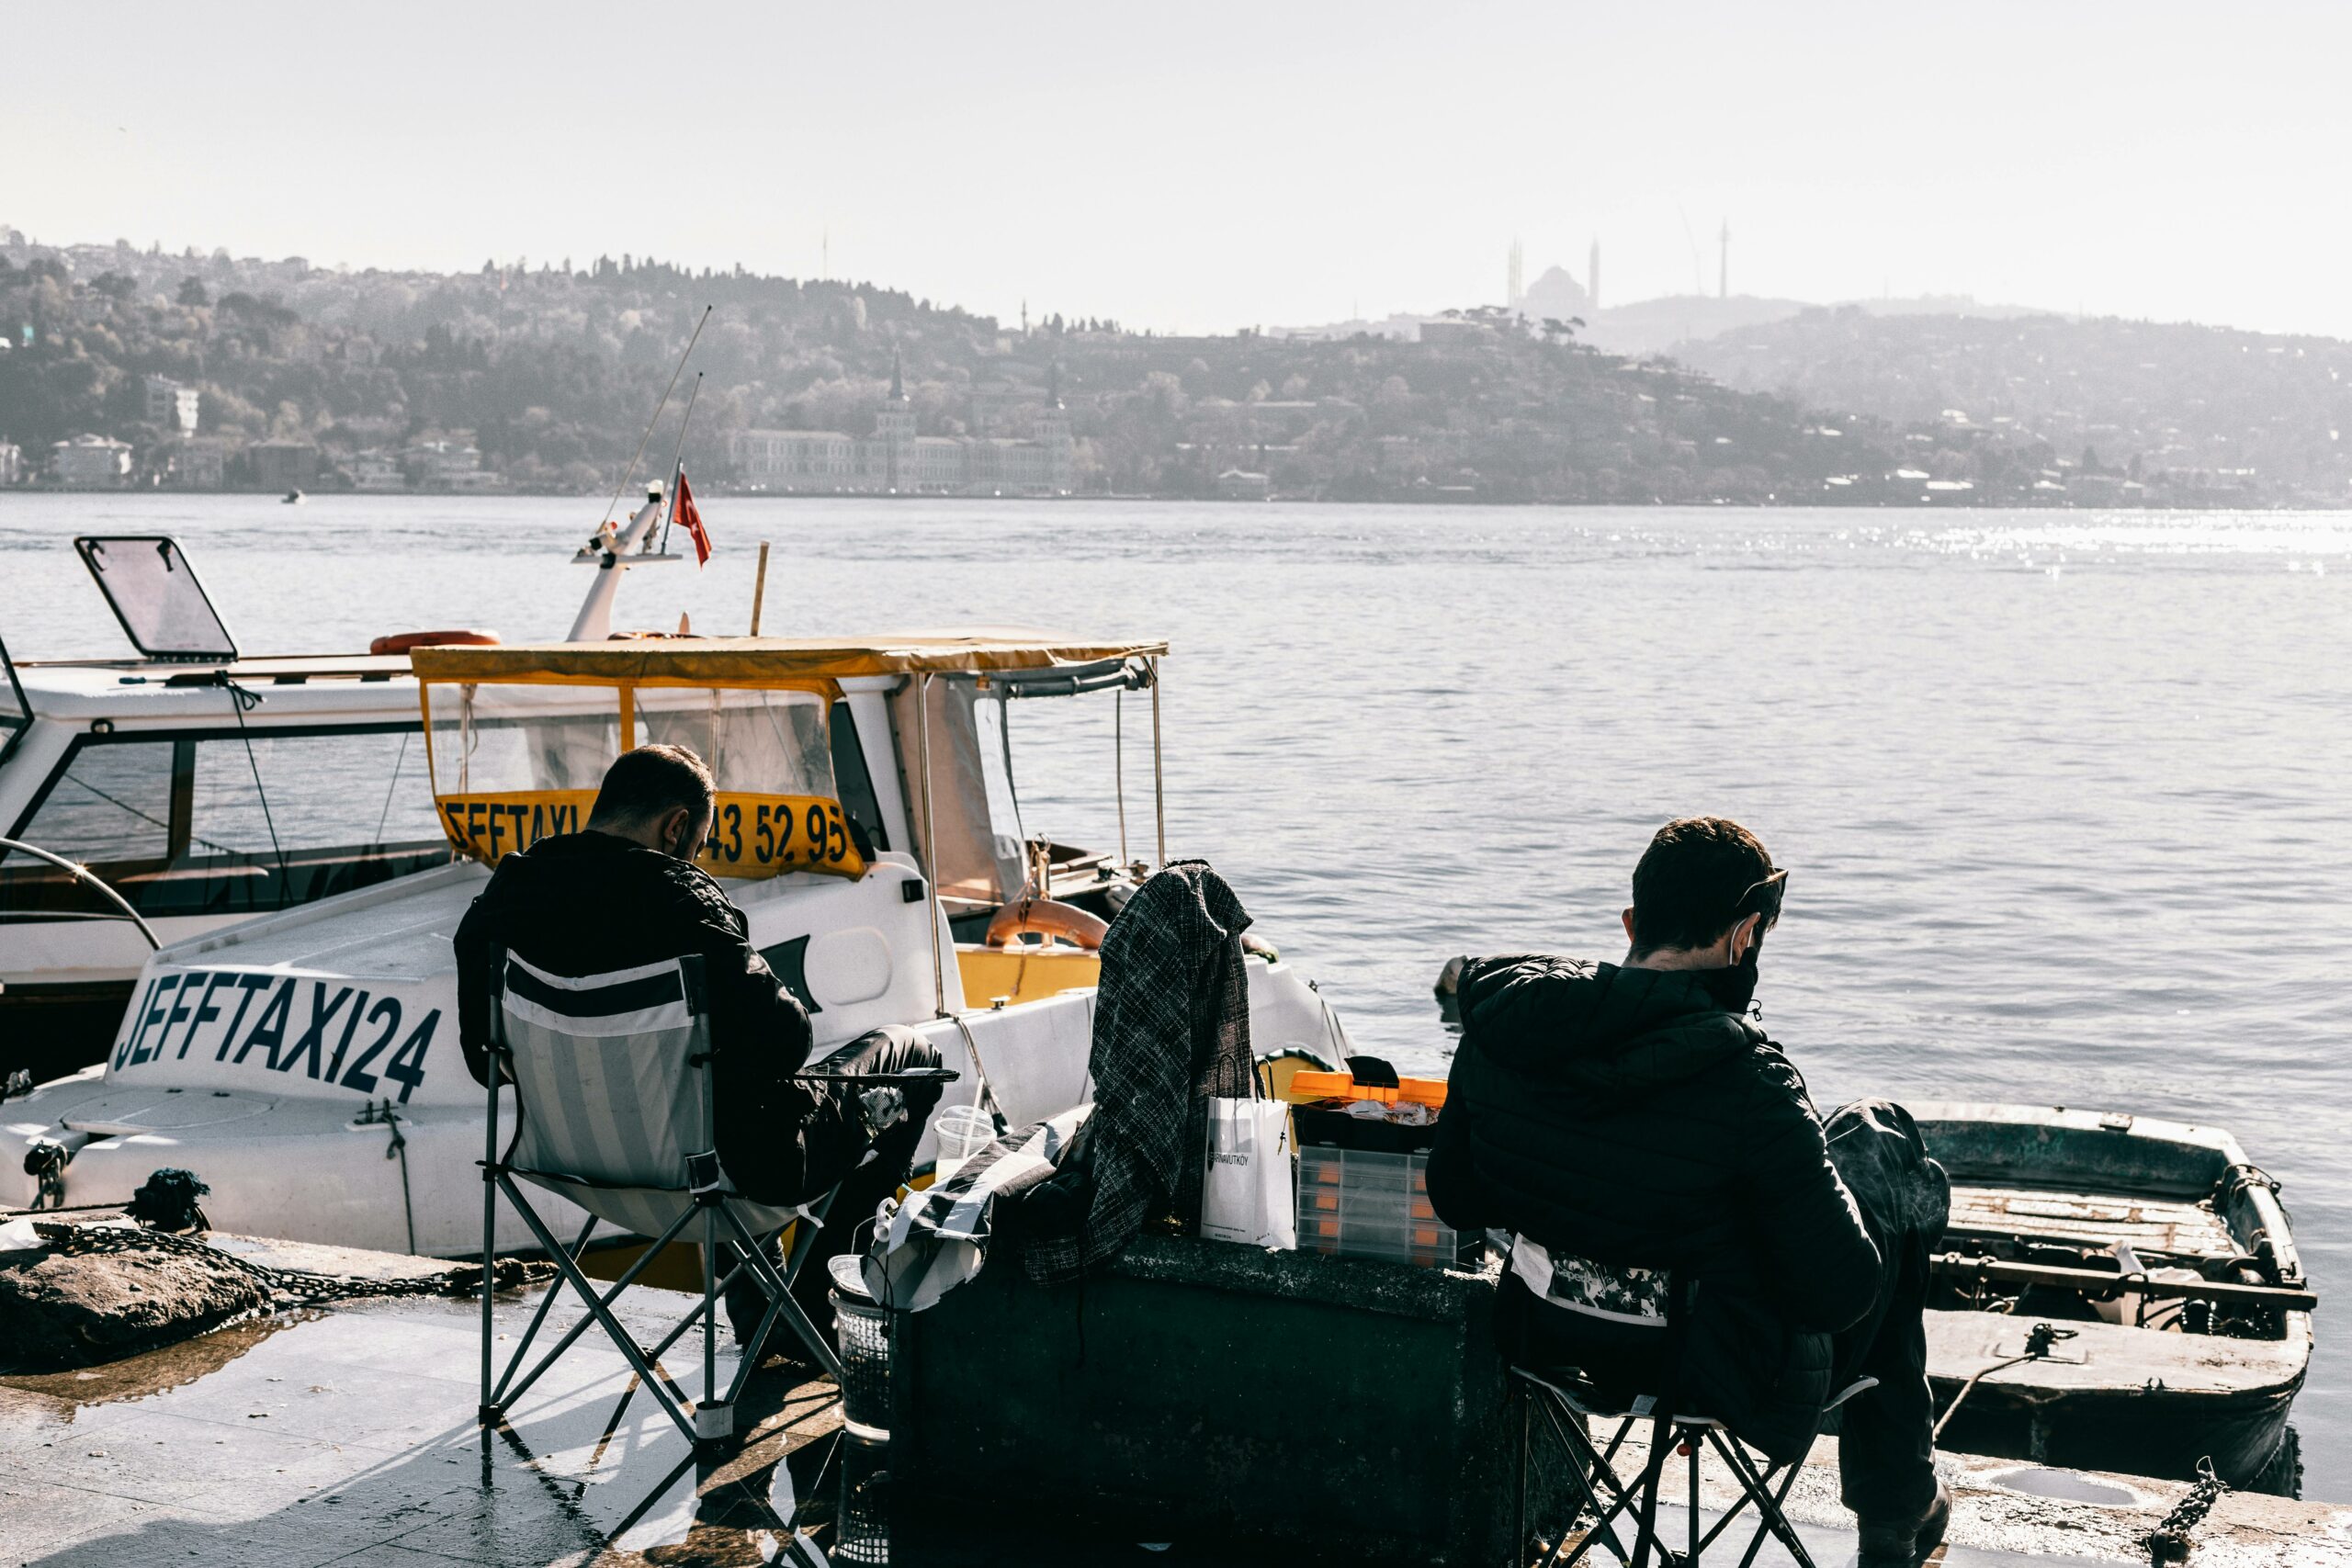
column 1687, row 888
column 650, row 782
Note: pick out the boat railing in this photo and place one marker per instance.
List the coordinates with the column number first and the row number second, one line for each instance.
column 83, row 873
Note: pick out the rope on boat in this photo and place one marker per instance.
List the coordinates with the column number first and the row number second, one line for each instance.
column 2038, row 1341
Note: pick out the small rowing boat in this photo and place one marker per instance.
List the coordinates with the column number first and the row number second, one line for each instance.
column 2114, row 1292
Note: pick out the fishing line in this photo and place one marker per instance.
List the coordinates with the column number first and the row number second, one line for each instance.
column 240, row 699
column 676, row 457
column 630, row 473
column 386, row 815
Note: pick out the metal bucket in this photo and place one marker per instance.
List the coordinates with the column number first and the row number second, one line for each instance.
column 862, row 1330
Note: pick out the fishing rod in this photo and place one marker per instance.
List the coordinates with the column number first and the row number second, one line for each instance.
column 676, row 457
column 630, row 473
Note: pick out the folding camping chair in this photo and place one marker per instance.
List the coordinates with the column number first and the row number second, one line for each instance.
column 615, row 1111
column 1565, row 1401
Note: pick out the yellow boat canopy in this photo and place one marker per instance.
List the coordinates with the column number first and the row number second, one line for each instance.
column 764, row 660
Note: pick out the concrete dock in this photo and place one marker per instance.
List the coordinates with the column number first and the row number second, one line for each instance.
column 346, row 1435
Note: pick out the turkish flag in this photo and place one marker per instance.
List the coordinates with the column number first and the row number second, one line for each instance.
column 687, row 516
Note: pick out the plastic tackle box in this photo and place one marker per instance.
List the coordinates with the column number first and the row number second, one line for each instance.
column 1371, row 1203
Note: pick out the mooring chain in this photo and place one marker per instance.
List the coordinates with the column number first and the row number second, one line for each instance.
column 288, row 1286
column 2168, row 1543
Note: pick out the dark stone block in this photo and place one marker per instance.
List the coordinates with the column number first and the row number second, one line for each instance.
column 1230, row 1399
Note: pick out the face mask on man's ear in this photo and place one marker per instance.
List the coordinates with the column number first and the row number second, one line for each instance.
column 1734, row 986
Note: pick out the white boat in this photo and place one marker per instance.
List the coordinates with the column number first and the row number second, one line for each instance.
column 203, row 785
column 305, row 1065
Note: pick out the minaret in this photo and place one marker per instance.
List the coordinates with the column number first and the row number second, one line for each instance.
column 895, row 428
column 1051, row 430
column 1592, row 277
column 1723, row 265
column 1514, row 278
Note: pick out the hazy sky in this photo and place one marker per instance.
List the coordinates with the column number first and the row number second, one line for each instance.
column 1204, row 165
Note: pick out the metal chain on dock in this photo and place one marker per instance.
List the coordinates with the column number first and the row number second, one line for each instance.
column 288, row 1286
column 2168, row 1543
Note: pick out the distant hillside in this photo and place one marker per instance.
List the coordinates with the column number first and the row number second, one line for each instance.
column 530, row 376
column 2193, row 411
column 548, row 372
column 1658, row 326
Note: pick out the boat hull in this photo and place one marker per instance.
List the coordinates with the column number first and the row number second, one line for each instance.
column 2076, row 1189
column 2132, row 1400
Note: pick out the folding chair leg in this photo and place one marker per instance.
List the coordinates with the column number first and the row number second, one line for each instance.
column 780, row 1301
column 1653, row 1472
column 1574, row 1441
column 655, row 1382
column 506, row 1396
column 713, row 1419
column 1518, row 1497
column 1768, row 1501
column 1691, row 1442
column 494, row 1400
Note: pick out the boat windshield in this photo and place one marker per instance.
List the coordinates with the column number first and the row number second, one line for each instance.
column 216, row 822
column 517, row 763
column 15, row 712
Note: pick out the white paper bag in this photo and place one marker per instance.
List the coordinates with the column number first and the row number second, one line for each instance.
column 1246, row 1186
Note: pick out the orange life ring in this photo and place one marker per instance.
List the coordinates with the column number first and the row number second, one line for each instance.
column 401, row 642
column 1048, row 917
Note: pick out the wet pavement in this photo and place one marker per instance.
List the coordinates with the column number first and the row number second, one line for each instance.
column 346, row 1435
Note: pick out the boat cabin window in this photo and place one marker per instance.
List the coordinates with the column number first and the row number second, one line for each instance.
column 178, row 828
column 854, row 781
column 517, row 763
column 976, row 856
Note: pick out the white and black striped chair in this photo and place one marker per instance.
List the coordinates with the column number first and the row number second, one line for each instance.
column 616, row 1110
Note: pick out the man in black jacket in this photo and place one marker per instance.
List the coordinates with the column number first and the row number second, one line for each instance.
column 626, row 891
column 1685, row 1223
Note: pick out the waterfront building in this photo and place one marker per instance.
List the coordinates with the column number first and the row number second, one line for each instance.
column 895, row 461
column 90, row 460
column 200, row 464
column 1239, row 484
column 377, row 469
column 446, row 465
column 171, row 407
column 283, row 465
column 12, row 463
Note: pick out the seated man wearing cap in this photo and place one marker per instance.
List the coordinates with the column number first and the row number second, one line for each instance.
column 625, row 891
column 1685, row 1224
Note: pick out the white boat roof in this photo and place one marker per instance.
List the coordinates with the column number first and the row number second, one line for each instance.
column 311, row 684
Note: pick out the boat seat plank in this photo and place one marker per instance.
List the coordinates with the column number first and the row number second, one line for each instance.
column 2150, row 1225
column 2112, row 1357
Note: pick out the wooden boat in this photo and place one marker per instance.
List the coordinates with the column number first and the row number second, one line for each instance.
column 2178, row 1316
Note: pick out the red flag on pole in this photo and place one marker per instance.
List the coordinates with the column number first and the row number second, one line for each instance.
column 687, row 516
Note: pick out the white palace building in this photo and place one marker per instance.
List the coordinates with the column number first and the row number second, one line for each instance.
column 894, row 461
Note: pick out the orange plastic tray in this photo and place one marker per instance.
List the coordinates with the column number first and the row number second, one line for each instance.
column 1311, row 1086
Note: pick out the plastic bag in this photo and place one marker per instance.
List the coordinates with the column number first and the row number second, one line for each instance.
column 1246, row 1186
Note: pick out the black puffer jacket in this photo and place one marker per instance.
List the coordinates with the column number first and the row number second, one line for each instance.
column 1627, row 1116
column 585, row 903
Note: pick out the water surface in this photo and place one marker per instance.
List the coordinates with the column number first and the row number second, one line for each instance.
column 2063, row 796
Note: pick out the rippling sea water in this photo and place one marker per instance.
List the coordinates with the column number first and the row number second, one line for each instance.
column 2066, row 798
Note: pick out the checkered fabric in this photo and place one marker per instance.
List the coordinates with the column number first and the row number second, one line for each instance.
column 1171, row 1031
